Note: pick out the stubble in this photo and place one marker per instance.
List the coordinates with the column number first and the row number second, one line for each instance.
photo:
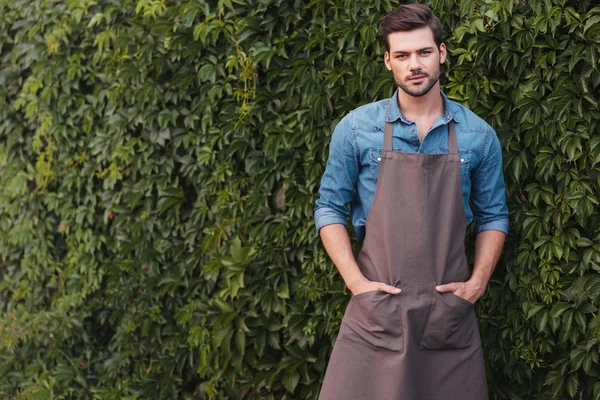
column 417, row 90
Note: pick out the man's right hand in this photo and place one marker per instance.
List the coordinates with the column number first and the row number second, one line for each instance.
column 337, row 243
column 366, row 286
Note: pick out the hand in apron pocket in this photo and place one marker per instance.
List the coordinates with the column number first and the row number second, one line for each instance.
column 451, row 323
column 373, row 318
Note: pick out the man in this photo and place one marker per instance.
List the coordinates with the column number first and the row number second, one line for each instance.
column 416, row 169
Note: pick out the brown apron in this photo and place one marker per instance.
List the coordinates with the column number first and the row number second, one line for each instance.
column 419, row 344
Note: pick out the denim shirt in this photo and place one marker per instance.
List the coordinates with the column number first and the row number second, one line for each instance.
column 355, row 153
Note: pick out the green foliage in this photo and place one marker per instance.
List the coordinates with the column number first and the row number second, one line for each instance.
column 532, row 70
column 159, row 162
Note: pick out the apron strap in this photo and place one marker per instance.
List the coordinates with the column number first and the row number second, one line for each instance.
column 388, row 131
column 452, row 143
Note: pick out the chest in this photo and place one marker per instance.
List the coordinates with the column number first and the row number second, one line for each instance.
column 423, row 127
column 405, row 139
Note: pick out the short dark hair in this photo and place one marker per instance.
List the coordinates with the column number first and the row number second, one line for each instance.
column 408, row 17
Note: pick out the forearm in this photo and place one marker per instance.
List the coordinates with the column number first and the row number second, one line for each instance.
column 488, row 248
column 337, row 244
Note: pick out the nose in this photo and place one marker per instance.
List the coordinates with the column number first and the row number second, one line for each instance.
column 414, row 64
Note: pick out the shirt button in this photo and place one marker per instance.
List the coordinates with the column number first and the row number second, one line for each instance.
column 462, row 160
column 412, row 130
column 378, row 158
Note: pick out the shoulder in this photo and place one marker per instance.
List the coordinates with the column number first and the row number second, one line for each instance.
column 468, row 121
column 473, row 131
column 373, row 107
column 367, row 117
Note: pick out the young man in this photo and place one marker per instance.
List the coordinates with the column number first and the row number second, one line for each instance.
column 416, row 168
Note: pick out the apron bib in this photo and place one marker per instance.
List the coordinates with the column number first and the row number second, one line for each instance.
column 419, row 344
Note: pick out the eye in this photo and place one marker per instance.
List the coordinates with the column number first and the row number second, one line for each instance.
column 401, row 56
column 426, row 52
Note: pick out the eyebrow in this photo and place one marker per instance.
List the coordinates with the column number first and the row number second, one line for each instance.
column 404, row 51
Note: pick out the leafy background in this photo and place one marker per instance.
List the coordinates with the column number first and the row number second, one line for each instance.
column 159, row 162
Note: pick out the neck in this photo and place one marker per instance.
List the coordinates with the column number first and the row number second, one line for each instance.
column 428, row 105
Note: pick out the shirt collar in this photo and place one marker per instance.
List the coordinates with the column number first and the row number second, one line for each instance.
column 395, row 113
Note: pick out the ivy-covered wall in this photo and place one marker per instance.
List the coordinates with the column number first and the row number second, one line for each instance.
column 159, row 163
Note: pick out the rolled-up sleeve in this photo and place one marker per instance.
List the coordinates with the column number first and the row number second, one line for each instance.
column 339, row 179
column 488, row 191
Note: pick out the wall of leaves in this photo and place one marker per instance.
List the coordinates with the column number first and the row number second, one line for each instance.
column 159, row 163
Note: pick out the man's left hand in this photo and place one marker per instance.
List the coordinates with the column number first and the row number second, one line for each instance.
column 469, row 290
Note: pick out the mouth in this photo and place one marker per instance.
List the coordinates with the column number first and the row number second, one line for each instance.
column 417, row 78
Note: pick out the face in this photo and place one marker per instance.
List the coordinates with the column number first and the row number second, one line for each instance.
column 415, row 60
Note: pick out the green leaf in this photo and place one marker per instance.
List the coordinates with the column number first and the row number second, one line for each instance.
column 534, row 310
column 236, row 250
column 283, row 291
column 207, row 73
column 584, row 242
column 290, row 381
column 479, row 25
column 591, row 22
column 558, row 308
column 542, row 320
column 572, row 385
column 240, row 342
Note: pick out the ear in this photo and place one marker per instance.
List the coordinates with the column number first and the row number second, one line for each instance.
column 386, row 59
column 442, row 53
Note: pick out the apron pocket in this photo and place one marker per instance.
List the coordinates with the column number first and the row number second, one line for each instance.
column 451, row 323
column 373, row 318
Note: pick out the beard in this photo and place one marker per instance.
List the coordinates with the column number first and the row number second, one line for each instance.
column 420, row 90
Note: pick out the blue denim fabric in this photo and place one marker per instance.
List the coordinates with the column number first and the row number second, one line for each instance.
column 354, row 156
